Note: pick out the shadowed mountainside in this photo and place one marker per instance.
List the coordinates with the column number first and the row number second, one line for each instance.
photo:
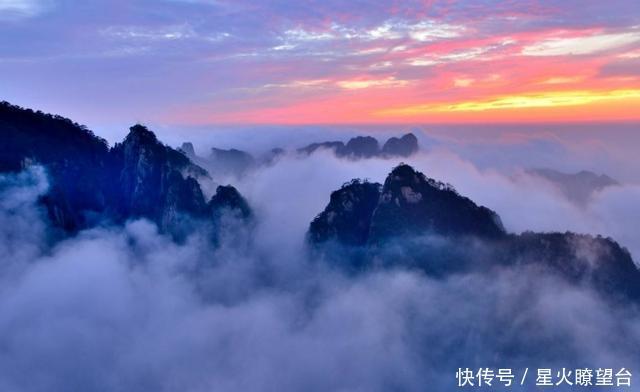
column 410, row 221
column 91, row 183
column 417, row 222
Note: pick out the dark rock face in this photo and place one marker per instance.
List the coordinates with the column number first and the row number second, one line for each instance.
column 412, row 203
column 417, row 222
column 361, row 147
column 347, row 218
column 577, row 187
column 151, row 183
column 405, row 146
column 408, row 204
column 582, row 259
column 90, row 183
column 228, row 199
column 74, row 158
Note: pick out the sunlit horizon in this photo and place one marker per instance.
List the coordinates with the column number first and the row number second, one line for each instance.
column 202, row 62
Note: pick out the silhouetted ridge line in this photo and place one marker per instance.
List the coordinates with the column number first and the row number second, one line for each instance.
column 413, row 221
column 92, row 183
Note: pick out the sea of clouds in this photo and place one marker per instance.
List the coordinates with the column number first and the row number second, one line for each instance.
column 127, row 309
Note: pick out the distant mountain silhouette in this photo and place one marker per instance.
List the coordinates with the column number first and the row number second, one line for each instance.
column 92, row 183
column 337, row 147
column 411, row 221
column 362, row 147
column 578, row 187
column 232, row 161
column 271, row 156
column 237, row 163
column 417, row 222
column 405, row 146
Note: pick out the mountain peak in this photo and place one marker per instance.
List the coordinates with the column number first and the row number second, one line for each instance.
column 404, row 146
column 347, row 217
column 362, row 147
column 409, row 204
column 228, row 198
column 412, row 203
column 188, row 150
column 140, row 134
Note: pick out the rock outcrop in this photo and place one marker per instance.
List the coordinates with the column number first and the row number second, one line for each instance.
column 363, row 147
column 404, row 146
column 347, row 218
column 91, row 183
column 417, row 222
column 412, row 203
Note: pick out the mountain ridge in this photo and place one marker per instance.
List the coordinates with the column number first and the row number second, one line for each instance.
column 417, row 222
column 92, row 183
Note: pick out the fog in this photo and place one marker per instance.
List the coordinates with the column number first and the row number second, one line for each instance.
column 293, row 190
column 127, row 309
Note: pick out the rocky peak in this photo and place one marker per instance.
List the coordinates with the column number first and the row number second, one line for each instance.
column 153, row 180
column 140, row 135
column 405, row 146
column 387, row 227
column 347, row 217
column 188, row 150
column 411, row 203
column 362, row 147
column 227, row 198
column 91, row 183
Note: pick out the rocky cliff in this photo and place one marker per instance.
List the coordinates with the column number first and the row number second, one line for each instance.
column 413, row 221
column 91, row 183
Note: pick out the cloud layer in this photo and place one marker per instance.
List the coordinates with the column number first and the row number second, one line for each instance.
column 127, row 309
column 206, row 62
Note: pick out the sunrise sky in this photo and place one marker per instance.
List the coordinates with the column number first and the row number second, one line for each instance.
column 198, row 62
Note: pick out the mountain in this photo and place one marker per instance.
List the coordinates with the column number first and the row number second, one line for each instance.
column 404, row 146
column 188, row 150
column 347, row 218
column 221, row 162
column 410, row 203
column 72, row 154
column 578, row 187
column 336, row 147
column 228, row 199
column 91, row 183
column 231, row 162
column 417, row 222
column 154, row 181
column 363, row 147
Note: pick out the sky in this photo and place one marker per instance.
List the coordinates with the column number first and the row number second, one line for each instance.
column 207, row 62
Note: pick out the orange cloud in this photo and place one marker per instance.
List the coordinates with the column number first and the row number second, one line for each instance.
column 544, row 106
